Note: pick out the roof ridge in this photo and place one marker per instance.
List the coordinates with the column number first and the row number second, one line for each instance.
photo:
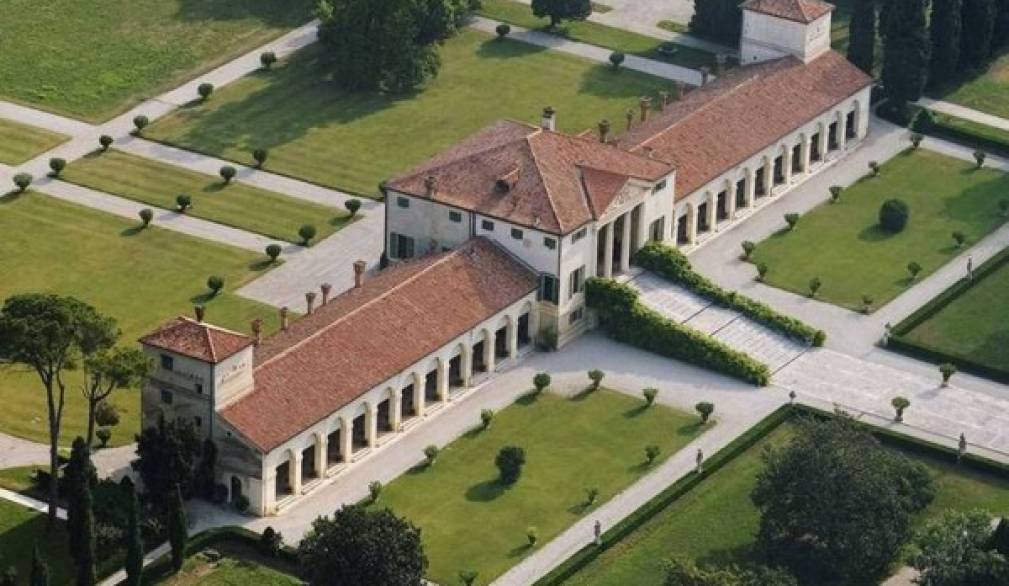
column 369, row 303
column 539, row 172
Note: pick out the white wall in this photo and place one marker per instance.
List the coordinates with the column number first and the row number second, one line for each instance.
column 183, row 381
column 768, row 37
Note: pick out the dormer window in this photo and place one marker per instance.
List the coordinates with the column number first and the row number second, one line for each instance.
column 167, row 362
column 505, row 182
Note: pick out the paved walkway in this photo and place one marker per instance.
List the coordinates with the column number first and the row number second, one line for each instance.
column 592, row 52
column 30, row 503
column 965, row 113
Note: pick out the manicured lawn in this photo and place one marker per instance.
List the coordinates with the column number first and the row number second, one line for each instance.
column 92, row 59
column 355, row 140
column 469, row 521
column 240, row 205
column 232, row 570
column 988, row 92
column 141, row 278
column 974, row 325
column 594, row 33
column 843, row 246
column 22, row 143
column 20, row 530
column 19, row 479
column 715, row 523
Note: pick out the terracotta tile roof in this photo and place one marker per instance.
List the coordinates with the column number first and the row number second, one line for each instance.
column 798, row 10
column 368, row 335
column 717, row 127
column 527, row 175
column 198, row 340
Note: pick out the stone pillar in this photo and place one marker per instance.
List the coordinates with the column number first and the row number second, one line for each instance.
column 346, row 438
column 442, row 380
column 805, row 152
column 294, row 472
column 768, row 175
column 396, row 408
column 786, row 164
column 321, row 450
column 512, row 333
column 489, row 356
column 466, row 363
column 824, row 134
column 643, row 235
column 691, row 225
column 730, row 201
column 749, row 187
column 625, row 244
column 842, row 131
column 370, row 424
column 608, row 252
column 418, row 394
column 712, row 211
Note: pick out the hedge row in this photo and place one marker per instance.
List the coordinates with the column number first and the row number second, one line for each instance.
column 673, row 265
column 627, row 320
column 960, row 131
column 901, row 343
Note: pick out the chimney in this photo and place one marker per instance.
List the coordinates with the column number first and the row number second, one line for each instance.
column 257, row 331
column 200, row 312
column 644, row 102
column 310, row 301
column 679, row 89
column 664, row 99
column 705, row 72
column 283, row 318
column 630, row 117
column 359, row 267
column 720, row 59
column 604, row 130
column 326, row 288
column 549, row 120
column 431, row 185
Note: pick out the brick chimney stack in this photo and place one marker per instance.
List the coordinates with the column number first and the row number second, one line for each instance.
column 359, row 267
column 257, row 331
column 200, row 312
column 325, row 288
column 663, row 99
column 283, row 318
column 720, row 60
column 310, row 301
column 604, row 130
column 549, row 119
column 644, row 103
column 705, row 73
column 431, row 185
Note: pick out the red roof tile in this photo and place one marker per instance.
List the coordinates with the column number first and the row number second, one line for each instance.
column 805, row 11
column 527, row 175
column 198, row 340
column 717, row 127
column 368, row 335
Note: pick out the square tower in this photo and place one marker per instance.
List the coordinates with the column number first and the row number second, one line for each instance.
column 777, row 28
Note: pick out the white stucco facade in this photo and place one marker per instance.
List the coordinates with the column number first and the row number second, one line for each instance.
column 765, row 37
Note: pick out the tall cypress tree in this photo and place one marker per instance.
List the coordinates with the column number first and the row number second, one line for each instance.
column 134, row 545
column 1001, row 37
column 862, row 35
column 177, row 528
column 719, row 19
column 80, row 478
column 945, row 32
column 979, row 24
column 40, row 571
column 906, row 53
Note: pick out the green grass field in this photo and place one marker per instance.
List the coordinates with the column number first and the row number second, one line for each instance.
column 715, row 523
column 988, row 92
column 230, row 571
column 92, row 59
column 20, row 530
column 354, row 140
column 843, row 245
column 142, row 278
column 973, row 325
column 22, row 143
column 469, row 521
column 586, row 31
column 237, row 204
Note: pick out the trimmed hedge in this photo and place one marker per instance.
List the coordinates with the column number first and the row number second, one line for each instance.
column 900, row 342
column 627, row 320
column 961, row 131
column 287, row 558
column 672, row 264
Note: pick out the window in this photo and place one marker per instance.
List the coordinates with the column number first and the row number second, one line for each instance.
column 400, row 246
column 487, row 225
column 578, row 235
column 198, row 420
column 199, row 388
column 517, row 234
column 548, row 288
column 166, row 397
column 455, row 216
column 576, row 316
column 402, row 202
column 659, row 186
column 549, row 242
column 577, row 281
column 167, row 362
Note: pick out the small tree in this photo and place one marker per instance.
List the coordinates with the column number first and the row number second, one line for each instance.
column 273, row 252
column 792, row 219
column 503, row 30
column 867, row 303
column 146, row 215
column 134, row 564
column 651, row 452
column 205, row 90
column 468, row 577
column 959, row 238
column 79, row 478
column 1003, row 206
column 9, row 577
column 140, row 123
column 650, row 394
column 617, row 59
column 260, row 156
column 916, row 138
column 762, row 269
column 431, row 454
column 947, row 370
column 541, row 381
column 215, row 283
column 591, row 496
column 307, row 232
column 177, row 531
column 596, row 378
column 270, row 542
column 899, row 404
column 183, row 202
column 486, row 417
column 979, row 157
column 267, row 59
column 23, row 181
column 57, row 165
column 105, row 141
column 814, row 286
column 559, row 10
column 352, row 205
column 835, row 193
column 748, row 248
column 705, row 409
column 874, row 168
column 893, row 215
column 509, row 462
column 40, row 570
column 103, row 434
column 228, row 173
column 374, row 490
column 532, row 536
column 913, row 268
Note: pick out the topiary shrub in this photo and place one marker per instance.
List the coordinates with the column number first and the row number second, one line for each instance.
column 814, row 286
column 270, row 542
column 650, row 394
column 913, row 269
column 215, row 284
column 273, row 252
column 140, row 123
column 260, row 156
column 591, row 496
column 704, row 409
column 959, row 238
column 431, row 454
column 899, row 404
column 893, row 215
column 947, row 370
column 979, row 158
column 541, row 381
column 267, row 59
column 105, row 141
column 792, row 219
column 762, row 269
column 651, row 453
column 748, row 248
column 532, row 536
column 874, row 168
column 915, row 138
column 307, row 233
column 146, row 215
column 23, row 181
column 374, row 490
column 486, row 417
column 103, row 434
column 867, row 301
column 205, row 90
column 1003, row 206
column 835, row 193
column 617, row 59
column 228, row 173
column 596, row 378
column 509, row 462
column 183, row 202
column 468, row 577
column 503, row 30
column 352, row 205
column 57, row 165
column 819, row 337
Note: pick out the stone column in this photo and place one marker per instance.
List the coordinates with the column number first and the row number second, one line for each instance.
column 489, row 355
column 396, row 408
column 643, row 234
column 691, row 225
column 418, row 394
column 442, row 380
column 608, row 252
column 786, row 164
column 768, row 175
column 294, row 472
column 370, row 424
column 712, row 211
column 625, row 244
column 466, row 364
column 321, row 449
column 805, row 151
column 346, row 438
column 842, row 131
column 824, row 134
column 512, row 333
column 730, row 201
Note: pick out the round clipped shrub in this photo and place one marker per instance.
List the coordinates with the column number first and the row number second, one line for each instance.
column 704, row 409
column 979, row 158
column 23, row 181
column 183, row 202
column 509, row 462
column 748, row 248
column 835, row 193
column 814, row 285
column 503, row 30
column 307, row 233
column 431, row 454
column 57, row 165
column 819, row 338
column 241, row 503
column 260, row 155
column 103, row 434
column 205, row 90
column 486, row 417
column 228, row 173
column 650, row 394
column 617, row 59
column 267, row 59
column 541, row 381
column 352, row 205
column 792, row 219
column 215, row 284
column 146, row 215
column 893, row 215
column 374, row 490
column 595, row 378
column 105, row 141
column 140, row 123
column 762, row 269
column 651, row 453
column 273, row 252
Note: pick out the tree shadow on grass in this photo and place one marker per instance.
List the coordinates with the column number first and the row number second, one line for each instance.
column 131, row 231
column 275, row 13
column 214, row 187
column 528, row 399
column 202, row 298
column 11, row 197
column 635, row 411
column 507, row 49
column 486, row 491
column 582, row 395
column 639, row 468
column 719, row 557
column 519, row 551
column 603, row 81
column 261, row 265
column 690, row 429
